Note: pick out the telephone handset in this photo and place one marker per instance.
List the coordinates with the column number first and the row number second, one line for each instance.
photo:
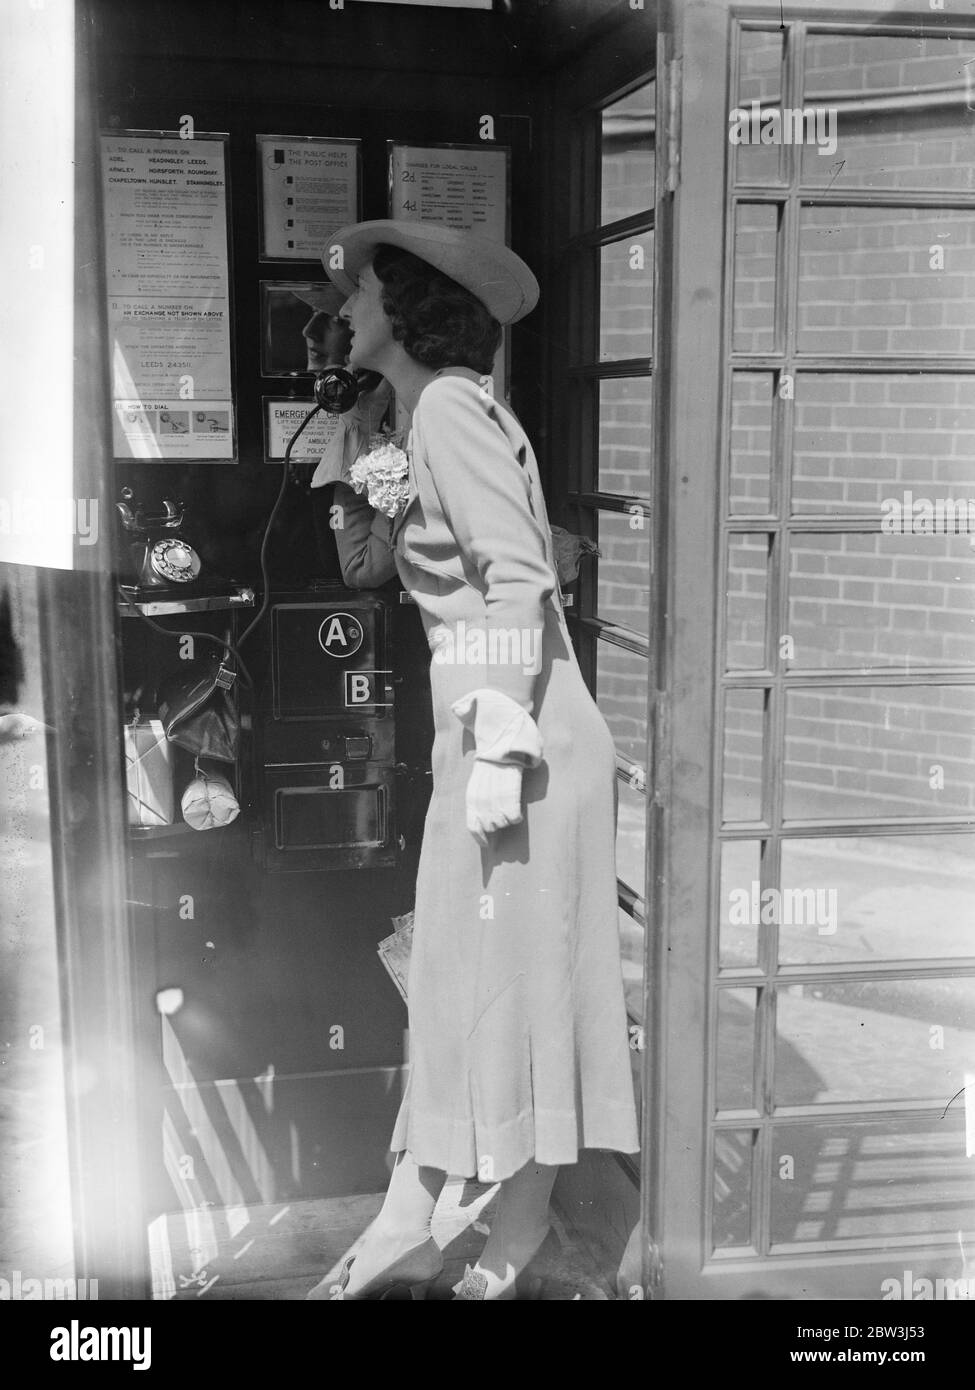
column 158, row 555
column 328, row 338
column 337, row 388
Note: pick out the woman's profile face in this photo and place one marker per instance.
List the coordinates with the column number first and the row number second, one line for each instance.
column 372, row 331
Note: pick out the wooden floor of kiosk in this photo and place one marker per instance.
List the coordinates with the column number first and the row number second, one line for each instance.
column 281, row 1251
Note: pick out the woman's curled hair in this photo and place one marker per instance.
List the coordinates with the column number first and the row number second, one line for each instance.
column 438, row 322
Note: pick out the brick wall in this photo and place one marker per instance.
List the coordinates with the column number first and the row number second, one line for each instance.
column 625, row 434
column 871, row 281
column 878, row 148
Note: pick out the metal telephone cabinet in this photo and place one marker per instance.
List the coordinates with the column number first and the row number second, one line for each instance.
column 325, row 733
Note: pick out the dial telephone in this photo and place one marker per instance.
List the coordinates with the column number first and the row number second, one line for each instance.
column 158, row 555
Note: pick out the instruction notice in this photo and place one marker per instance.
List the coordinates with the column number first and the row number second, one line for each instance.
column 461, row 186
column 455, row 186
column 282, row 418
column 168, row 287
column 309, row 188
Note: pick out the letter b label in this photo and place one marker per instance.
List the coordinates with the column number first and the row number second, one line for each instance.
column 358, row 688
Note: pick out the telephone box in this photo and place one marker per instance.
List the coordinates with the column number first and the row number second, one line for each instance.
column 325, row 733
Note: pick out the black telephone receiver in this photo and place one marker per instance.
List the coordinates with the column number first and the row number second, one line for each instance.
column 337, row 388
column 156, row 551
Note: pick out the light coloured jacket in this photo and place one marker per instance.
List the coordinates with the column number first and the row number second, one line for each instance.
column 472, row 545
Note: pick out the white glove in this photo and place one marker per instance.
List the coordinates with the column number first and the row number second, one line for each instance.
column 493, row 799
column 507, row 740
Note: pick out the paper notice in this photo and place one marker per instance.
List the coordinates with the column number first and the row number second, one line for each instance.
column 453, row 186
column 282, row 419
column 168, row 297
column 309, row 188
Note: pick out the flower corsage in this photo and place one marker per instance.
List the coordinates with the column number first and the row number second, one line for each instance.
column 382, row 473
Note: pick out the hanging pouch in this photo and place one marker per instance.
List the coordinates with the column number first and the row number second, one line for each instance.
column 209, row 801
column 198, row 713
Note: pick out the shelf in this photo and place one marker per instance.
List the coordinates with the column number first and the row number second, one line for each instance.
column 179, row 830
column 162, row 832
column 161, row 607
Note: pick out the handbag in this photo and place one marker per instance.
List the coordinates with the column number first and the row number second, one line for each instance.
column 198, row 713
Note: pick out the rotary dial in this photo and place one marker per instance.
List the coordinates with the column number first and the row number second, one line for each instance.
column 176, row 561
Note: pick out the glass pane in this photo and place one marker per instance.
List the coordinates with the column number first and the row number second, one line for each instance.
column 874, row 1040
column 886, row 897
column 759, row 65
column 732, row 1211
column 873, row 751
column 632, row 944
column 288, row 311
column 751, row 443
column 632, row 949
column 622, row 684
column 756, row 227
column 746, row 592
column 744, row 723
column 908, row 126
column 637, row 1055
column 869, row 283
column 870, row 1181
column 881, row 601
column 625, row 435
column 623, row 585
column 631, row 836
column 735, row 1077
column 759, row 80
column 738, row 927
column 628, row 154
column 36, row 1207
column 863, row 441
column 626, row 298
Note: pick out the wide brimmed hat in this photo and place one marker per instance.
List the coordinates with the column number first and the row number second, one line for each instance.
column 492, row 272
column 323, row 299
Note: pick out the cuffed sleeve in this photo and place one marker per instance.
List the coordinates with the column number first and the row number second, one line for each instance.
column 362, row 538
column 484, row 494
column 503, row 730
column 362, row 535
